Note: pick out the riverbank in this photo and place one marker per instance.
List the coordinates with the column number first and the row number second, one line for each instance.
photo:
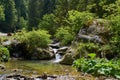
column 42, row 70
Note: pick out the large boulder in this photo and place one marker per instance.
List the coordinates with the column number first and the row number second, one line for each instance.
column 67, row 59
column 95, row 31
column 42, row 54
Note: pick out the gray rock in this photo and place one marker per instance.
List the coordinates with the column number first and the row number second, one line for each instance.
column 42, row 54
column 67, row 59
column 56, row 45
column 95, row 32
column 2, row 66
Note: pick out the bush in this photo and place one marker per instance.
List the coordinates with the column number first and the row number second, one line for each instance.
column 39, row 38
column 77, row 19
column 31, row 41
column 64, row 35
column 48, row 23
column 115, row 29
column 98, row 67
column 83, row 49
column 4, row 54
column 34, row 39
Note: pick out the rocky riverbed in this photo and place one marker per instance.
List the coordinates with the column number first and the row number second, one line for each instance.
column 42, row 70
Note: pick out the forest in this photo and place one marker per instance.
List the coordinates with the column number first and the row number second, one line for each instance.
column 79, row 34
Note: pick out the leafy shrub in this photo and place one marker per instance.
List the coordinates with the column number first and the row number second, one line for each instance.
column 64, row 35
column 22, row 24
column 30, row 41
column 115, row 29
column 34, row 39
column 4, row 54
column 77, row 19
column 98, row 67
column 39, row 38
column 48, row 23
column 83, row 49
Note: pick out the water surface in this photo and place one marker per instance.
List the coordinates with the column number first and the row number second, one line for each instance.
column 38, row 67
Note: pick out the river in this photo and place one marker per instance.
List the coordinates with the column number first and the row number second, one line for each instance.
column 33, row 68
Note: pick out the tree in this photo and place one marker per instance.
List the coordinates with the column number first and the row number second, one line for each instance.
column 48, row 23
column 21, row 11
column 48, row 6
column 2, row 16
column 33, row 14
column 10, row 18
column 1, row 13
column 61, row 11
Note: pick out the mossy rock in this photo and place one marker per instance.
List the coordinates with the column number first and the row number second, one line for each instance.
column 67, row 59
column 42, row 54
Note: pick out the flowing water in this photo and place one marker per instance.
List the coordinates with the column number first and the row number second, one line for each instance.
column 37, row 67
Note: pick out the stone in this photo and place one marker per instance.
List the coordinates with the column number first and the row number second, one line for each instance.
column 44, row 76
column 42, row 54
column 62, row 50
column 67, row 59
column 95, row 31
column 56, row 45
column 2, row 67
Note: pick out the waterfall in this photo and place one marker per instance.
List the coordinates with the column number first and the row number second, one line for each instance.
column 57, row 56
column 55, row 51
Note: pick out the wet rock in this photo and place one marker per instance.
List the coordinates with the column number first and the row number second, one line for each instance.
column 42, row 54
column 56, row 45
column 3, row 77
column 67, row 59
column 13, row 76
column 2, row 67
column 18, row 77
column 28, row 78
column 44, row 76
column 62, row 50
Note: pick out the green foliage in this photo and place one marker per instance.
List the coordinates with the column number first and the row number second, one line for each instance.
column 4, row 54
column 41, row 8
column 64, row 35
column 48, row 23
column 33, row 14
column 77, row 19
column 22, row 23
column 2, row 15
column 34, row 39
column 39, row 38
column 61, row 11
column 115, row 29
column 10, row 17
column 84, row 48
column 98, row 67
column 92, row 55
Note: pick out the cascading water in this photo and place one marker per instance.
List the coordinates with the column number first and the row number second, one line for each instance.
column 55, row 51
column 57, row 56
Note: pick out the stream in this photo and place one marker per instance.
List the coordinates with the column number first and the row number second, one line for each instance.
column 36, row 68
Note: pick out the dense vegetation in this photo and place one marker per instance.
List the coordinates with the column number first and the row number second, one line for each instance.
column 4, row 54
column 98, row 67
column 43, row 20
